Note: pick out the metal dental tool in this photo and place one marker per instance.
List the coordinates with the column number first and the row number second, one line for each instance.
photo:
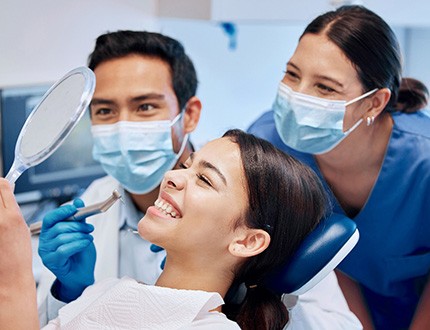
column 87, row 211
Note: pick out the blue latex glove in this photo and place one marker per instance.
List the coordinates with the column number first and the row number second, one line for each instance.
column 67, row 249
column 155, row 248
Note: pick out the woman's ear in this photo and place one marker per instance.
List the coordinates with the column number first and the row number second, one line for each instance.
column 249, row 242
column 192, row 114
column 379, row 101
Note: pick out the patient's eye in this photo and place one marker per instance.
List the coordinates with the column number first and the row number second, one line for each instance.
column 204, row 179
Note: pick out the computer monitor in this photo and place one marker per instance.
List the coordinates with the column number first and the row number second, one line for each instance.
column 66, row 172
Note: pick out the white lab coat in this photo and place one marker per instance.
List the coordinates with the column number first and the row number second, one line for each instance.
column 106, row 241
column 322, row 307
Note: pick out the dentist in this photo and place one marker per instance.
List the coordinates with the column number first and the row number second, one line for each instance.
column 143, row 108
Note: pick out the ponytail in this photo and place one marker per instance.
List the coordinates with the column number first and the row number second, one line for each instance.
column 262, row 309
column 413, row 96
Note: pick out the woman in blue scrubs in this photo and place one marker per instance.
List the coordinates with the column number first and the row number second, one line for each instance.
column 336, row 110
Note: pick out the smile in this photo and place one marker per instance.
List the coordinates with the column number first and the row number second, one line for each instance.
column 166, row 208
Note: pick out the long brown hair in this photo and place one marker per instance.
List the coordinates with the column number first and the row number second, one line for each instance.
column 287, row 200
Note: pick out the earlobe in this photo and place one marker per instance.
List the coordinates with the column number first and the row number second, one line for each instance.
column 192, row 114
column 250, row 243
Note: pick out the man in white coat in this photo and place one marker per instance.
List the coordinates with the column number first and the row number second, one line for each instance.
column 143, row 109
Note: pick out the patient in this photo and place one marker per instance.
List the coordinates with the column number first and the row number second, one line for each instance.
column 221, row 221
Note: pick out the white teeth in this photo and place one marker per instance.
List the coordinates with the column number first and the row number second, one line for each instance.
column 165, row 207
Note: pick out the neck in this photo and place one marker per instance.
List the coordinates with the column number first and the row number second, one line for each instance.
column 143, row 201
column 364, row 148
column 181, row 273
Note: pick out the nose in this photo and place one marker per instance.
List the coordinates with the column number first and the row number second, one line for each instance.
column 301, row 88
column 123, row 115
column 298, row 86
column 175, row 179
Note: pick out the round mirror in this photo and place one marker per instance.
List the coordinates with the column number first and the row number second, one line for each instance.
column 52, row 120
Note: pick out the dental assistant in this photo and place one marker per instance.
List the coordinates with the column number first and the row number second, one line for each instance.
column 336, row 111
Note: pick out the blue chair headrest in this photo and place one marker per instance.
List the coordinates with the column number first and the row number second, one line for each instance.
column 321, row 251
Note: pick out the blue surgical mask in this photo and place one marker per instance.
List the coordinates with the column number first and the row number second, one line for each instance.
column 311, row 124
column 138, row 154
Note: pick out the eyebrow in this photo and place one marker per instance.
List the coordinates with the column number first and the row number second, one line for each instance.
column 140, row 98
column 319, row 76
column 210, row 166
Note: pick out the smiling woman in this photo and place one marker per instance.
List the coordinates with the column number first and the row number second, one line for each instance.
column 221, row 223
column 344, row 109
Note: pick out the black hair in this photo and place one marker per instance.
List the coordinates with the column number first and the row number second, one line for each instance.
column 287, row 200
column 119, row 44
column 371, row 46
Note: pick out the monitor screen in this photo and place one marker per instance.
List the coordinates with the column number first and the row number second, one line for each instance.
column 68, row 171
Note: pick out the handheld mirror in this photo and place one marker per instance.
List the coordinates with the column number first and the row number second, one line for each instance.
column 52, row 120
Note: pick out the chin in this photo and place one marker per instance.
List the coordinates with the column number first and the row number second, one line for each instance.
column 151, row 232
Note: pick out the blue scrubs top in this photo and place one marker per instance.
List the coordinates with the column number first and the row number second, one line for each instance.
column 392, row 258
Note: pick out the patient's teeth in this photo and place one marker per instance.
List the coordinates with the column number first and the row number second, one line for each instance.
column 165, row 208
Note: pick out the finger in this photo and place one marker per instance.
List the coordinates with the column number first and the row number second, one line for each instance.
column 65, row 227
column 61, row 241
column 78, row 202
column 64, row 252
column 155, row 248
column 6, row 195
column 60, row 214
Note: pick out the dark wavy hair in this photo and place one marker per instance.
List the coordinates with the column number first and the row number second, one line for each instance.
column 119, row 44
column 372, row 47
column 287, row 200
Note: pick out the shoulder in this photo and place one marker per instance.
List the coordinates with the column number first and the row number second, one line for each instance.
column 410, row 143
column 264, row 127
column 417, row 124
column 99, row 189
column 212, row 321
column 262, row 124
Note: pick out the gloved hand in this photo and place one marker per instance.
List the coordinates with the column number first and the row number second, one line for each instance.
column 67, row 249
column 155, row 248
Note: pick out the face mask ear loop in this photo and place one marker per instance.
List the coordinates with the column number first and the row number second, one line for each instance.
column 361, row 96
column 185, row 139
column 353, row 127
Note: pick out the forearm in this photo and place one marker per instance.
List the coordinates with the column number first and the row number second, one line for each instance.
column 421, row 319
column 18, row 306
column 355, row 299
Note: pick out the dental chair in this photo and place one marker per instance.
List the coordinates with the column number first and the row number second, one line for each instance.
column 320, row 253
